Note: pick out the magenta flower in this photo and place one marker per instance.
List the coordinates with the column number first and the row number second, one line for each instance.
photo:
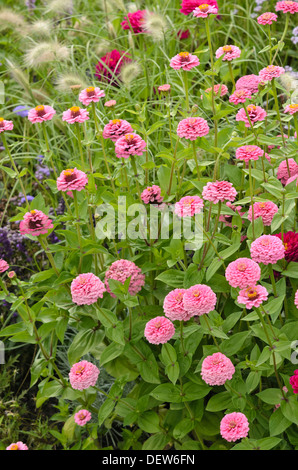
column 229, row 52
column 129, row 144
column 243, row 273
column 86, row 289
column 217, row 369
column 72, row 180
column 270, row 72
column 83, row 375
column 110, row 65
column 234, row 426
column 17, row 446
column 252, row 296
column 5, row 125
column 266, row 210
column 287, row 7
column 204, row 10
column 290, row 241
column 91, row 94
column 193, row 127
column 134, row 21
column 159, row 330
column 256, row 113
column 249, row 152
column 41, row 113
column 35, row 223
column 249, row 82
column 183, row 34
column 123, row 269
column 240, row 96
column 296, row 298
column 4, row 266
column 110, row 103
column 188, row 6
column 75, row 114
column 294, row 381
column 164, row 88
column 116, row 128
column 184, row 61
column 219, row 191
column 283, row 173
column 267, row 18
column 291, row 108
column 199, row 299
column 82, row 417
column 173, row 306
column 152, row 195
column 267, row 249
column 189, row 206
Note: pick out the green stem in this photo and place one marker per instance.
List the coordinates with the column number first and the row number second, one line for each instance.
column 251, row 201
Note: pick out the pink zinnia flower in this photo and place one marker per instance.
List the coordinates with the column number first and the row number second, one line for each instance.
column 283, row 173
column 204, row 10
column 5, row 125
column 165, row 88
column 159, row 330
column 116, row 129
column 249, row 82
column 266, row 210
column 129, row 144
column 17, row 446
column 75, row 114
column 294, row 381
column 185, row 61
column 4, row 266
column 86, row 289
column 188, row 6
column 296, row 298
column 91, row 94
column 291, row 108
column 267, row 18
column 219, row 191
column 228, row 52
column 291, row 179
column 173, row 306
column 240, row 96
column 111, row 64
column 121, row 270
column 267, row 249
column 152, row 195
column 11, row 274
column 83, row 375
column 199, row 299
column 110, row 104
column 290, row 241
column 41, row 113
column 183, row 34
column 193, row 127
column 189, row 206
column 287, row 7
column 223, row 90
column 134, row 21
column 234, row 426
column 252, row 296
column 256, row 113
column 35, row 223
column 270, row 72
column 243, row 273
column 217, row 369
column 249, row 152
column 82, row 417
column 72, row 180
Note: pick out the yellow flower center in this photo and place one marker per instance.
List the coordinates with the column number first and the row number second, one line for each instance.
column 79, row 370
column 293, row 106
column 40, row 107
column 265, row 242
column 251, row 293
column 1, row 119
column 196, row 293
column 227, row 48
column 129, row 137
column 204, row 7
column 32, row 212
column 286, row 246
column 184, row 54
column 90, row 89
column 270, row 68
column 241, row 267
column 116, row 121
column 262, row 205
column 68, row 172
column 14, row 447
column 251, row 107
column 81, row 415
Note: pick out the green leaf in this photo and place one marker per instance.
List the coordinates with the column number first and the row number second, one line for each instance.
column 111, row 352
column 220, row 401
column 105, row 410
column 83, row 343
column 184, row 427
column 290, row 409
column 272, row 396
column 278, row 423
column 156, row 442
column 172, row 278
column 149, row 422
column 168, row 393
column 234, row 343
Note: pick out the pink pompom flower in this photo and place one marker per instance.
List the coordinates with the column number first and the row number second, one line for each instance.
column 164, row 88
column 256, row 113
column 75, row 114
column 249, row 152
column 83, row 375
column 266, row 210
column 173, row 306
column 134, row 21
column 240, row 96
column 219, row 87
column 270, row 72
column 217, row 369
column 252, row 296
column 234, row 426
column 35, row 223
column 291, row 108
column 219, row 191
column 267, row 249
column 249, row 82
column 129, row 144
column 193, row 127
column 284, row 173
column 72, row 180
column 199, row 299
column 294, row 381
column 287, row 7
column 152, row 195
column 82, row 417
column 184, row 61
column 41, row 113
column 229, row 52
column 4, row 266
column 116, row 128
column 5, row 125
column 243, row 273
column 189, row 206
column 188, row 6
column 159, row 330
column 121, row 270
column 267, row 18
column 110, row 103
column 204, row 10
column 91, row 94
column 86, row 289
column 110, row 65
column 17, row 446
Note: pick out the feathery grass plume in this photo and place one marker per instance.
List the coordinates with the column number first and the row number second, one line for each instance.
column 70, row 82
column 9, row 19
column 45, row 52
column 131, row 7
column 117, row 4
column 22, row 79
column 39, row 28
column 60, row 7
column 129, row 72
column 102, row 48
column 155, row 25
column 290, row 83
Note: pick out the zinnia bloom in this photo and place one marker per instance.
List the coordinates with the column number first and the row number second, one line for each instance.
column 82, row 417
column 110, row 103
column 199, row 299
column 294, row 381
column 134, row 21
column 223, row 90
column 252, row 296
column 4, row 266
column 159, row 330
column 267, row 18
column 35, row 223
column 41, row 113
column 189, row 206
column 121, row 270
column 91, row 94
column 284, row 173
column 183, row 34
column 185, row 61
column 291, row 108
column 256, row 113
column 270, row 72
column 75, row 114
column 267, row 249
column 164, row 88
column 193, row 127
column 152, row 195
column 219, row 191
column 204, row 10
column 129, row 144
column 86, row 289
column 287, row 7
column 72, row 180
column 116, row 129
column 17, row 446
column 234, row 426
column 173, row 305
column 296, row 298
column 249, row 82
column 249, row 152
column 243, row 273
column 229, row 52
column 5, row 125
column 266, row 210
column 188, row 6
column 240, row 96
column 217, row 369
column 290, row 241
column 83, row 375
column 111, row 64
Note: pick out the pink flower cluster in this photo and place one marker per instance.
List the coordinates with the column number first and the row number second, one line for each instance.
column 91, row 94
column 249, row 82
column 204, row 10
column 152, row 195
column 223, row 89
column 219, row 191
column 193, row 127
column 110, row 65
column 252, row 296
column 234, row 426
column 72, row 180
column 184, row 61
column 266, row 210
column 41, row 113
column 86, row 289
column 243, row 273
column 5, row 125
column 83, row 375
column 116, row 128
column 199, row 299
column 255, row 113
column 159, row 330
column 287, row 7
column 134, row 21
column 240, row 96
column 291, row 108
column 17, row 446
column 129, row 144
column 294, row 381
column 286, row 170
column 189, row 206
column 123, row 269
column 267, row 18
column 267, row 249
column 249, row 152
column 217, row 369
column 188, row 6
column 35, row 223
column 229, row 52
column 75, row 114
column 4, row 266
column 173, row 306
column 270, row 72
column 82, row 417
